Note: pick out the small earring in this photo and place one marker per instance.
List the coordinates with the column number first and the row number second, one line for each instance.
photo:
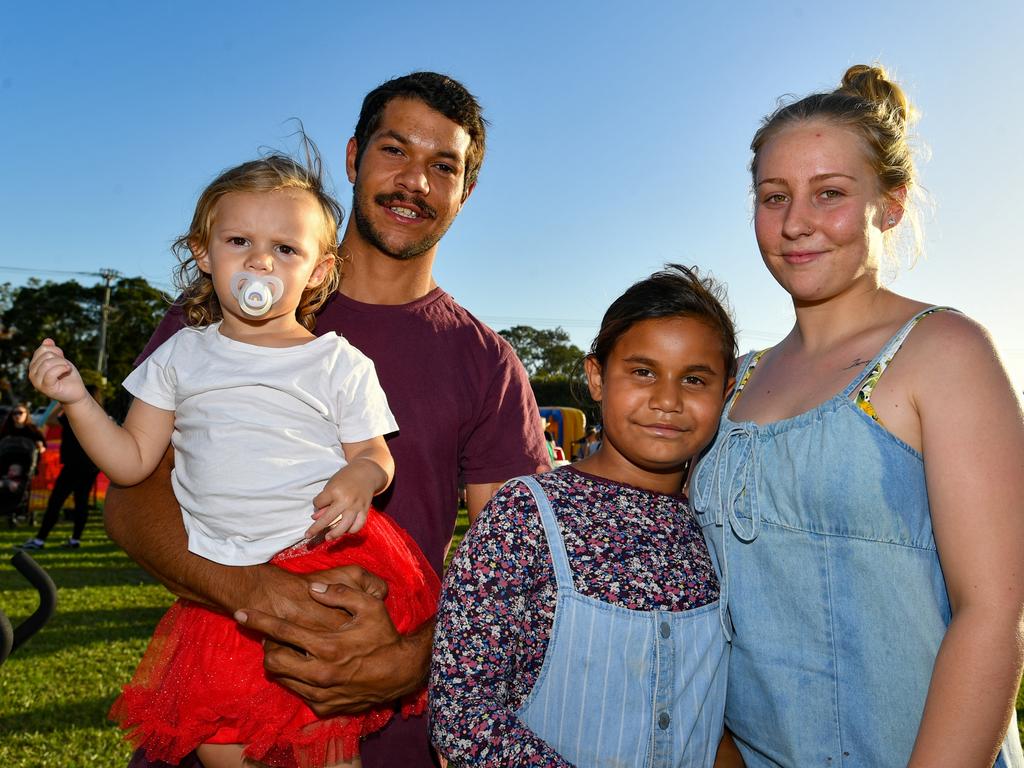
column 892, row 221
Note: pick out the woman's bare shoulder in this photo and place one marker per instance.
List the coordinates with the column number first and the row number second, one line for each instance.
column 948, row 336
column 951, row 357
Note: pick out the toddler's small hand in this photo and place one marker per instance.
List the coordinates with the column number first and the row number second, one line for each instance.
column 333, row 522
column 53, row 375
column 342, row 506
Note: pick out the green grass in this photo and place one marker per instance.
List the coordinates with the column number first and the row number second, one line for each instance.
column 56, row 690
column 461, row 526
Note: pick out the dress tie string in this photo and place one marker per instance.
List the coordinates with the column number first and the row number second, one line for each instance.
column 735, row 480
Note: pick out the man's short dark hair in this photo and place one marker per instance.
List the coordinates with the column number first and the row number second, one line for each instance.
column 442, row 94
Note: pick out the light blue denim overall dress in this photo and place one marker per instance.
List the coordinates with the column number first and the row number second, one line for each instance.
column 625, row 688
column 821, row 529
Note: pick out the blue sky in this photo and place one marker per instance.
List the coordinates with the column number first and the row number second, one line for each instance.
column 619, row 136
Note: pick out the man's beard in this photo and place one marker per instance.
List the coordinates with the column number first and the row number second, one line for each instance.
column 371, row 235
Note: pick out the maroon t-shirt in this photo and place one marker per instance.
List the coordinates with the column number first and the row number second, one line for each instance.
column 465, row 413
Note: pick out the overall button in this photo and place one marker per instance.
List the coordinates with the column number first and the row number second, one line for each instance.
column 664, row 720
column 665, row 629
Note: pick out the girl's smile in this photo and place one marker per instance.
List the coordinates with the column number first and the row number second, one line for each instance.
column 661, row 391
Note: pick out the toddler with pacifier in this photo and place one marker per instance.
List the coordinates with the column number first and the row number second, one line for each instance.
column 270, row 426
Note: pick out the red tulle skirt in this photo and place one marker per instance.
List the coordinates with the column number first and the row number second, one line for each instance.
column 201, row 680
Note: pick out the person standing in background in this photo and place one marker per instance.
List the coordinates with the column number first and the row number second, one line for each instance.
column 77, row 476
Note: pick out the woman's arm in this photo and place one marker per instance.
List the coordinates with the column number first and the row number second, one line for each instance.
column 972, row 435
column 38, row 436
column 477, row 637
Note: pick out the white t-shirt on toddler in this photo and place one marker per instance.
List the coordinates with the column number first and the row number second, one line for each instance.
column 257, row 433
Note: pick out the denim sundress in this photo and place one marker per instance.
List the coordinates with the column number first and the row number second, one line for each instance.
column 836, row 603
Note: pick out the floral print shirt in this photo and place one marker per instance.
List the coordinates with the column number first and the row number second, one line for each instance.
column 627, row 546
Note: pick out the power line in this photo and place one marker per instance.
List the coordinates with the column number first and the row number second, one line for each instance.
column 158, row 283
column 51, row 271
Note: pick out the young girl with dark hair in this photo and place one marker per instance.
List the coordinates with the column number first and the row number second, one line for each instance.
column 578, row 622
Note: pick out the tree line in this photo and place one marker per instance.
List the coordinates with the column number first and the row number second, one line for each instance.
column 555, row 367
column 69, row 313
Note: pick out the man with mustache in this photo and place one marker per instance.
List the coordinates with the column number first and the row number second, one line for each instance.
column 461, row 398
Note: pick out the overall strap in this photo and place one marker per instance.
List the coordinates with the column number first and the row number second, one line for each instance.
column 559, row 557
column 864, row 383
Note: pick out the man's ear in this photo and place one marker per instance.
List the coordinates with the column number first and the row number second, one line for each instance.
column 351, row 149
column 595, row 382
column 467, row 191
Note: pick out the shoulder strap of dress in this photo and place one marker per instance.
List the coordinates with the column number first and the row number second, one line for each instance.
column 864, row 383
column 559, row 557
column 747, row 364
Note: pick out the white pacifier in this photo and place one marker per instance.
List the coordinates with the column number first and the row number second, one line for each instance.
column 256, row 294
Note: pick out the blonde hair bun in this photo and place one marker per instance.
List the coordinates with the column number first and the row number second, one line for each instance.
column 872, row 84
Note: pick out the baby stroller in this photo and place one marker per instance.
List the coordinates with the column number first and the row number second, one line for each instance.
column 18, row 457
